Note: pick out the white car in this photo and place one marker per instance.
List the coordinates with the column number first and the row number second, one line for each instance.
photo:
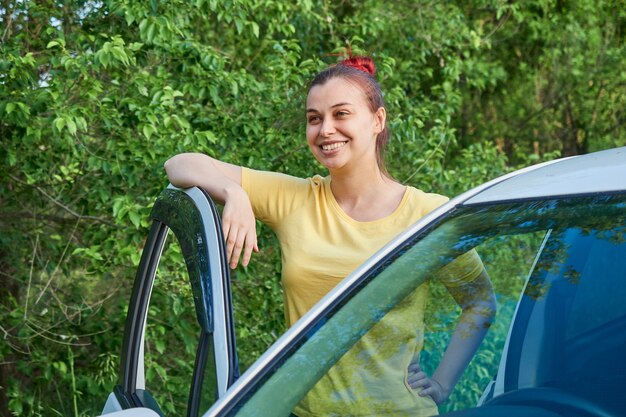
column 552, row 238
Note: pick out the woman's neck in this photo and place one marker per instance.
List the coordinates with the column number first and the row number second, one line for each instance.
column 366, row 196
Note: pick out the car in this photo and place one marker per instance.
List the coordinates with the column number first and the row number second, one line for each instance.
column 552, row 238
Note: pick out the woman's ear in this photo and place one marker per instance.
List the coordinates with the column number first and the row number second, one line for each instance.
column 381, row 119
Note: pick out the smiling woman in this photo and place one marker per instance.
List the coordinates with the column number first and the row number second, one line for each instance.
column 338, row 115
column 329, row 225
column 360, row 92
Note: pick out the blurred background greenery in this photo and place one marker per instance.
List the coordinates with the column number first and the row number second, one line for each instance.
column 96, row 95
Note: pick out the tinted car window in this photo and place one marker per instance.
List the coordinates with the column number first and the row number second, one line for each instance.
column 171, row 333
column 508, row 259
column 547, row 261
column 572, row 319
column 598, row 270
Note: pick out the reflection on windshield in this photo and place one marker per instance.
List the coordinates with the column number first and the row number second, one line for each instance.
column 550, row 256
column 577, row 284
column 576, row 292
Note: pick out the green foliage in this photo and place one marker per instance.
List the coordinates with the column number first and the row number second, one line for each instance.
column 507, row 260
column 562, row 88
column 172, row 334
column 95, row 96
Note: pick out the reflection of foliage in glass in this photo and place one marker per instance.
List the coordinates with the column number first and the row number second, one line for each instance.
column 507, row 260
column 508, row 252
column 507, row 236
column 537, row 288
column 172, row 332
column 555, row 258
column 571, row 275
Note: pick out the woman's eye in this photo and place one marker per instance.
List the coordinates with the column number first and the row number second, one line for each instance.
column 342, row 113
column 313, row 119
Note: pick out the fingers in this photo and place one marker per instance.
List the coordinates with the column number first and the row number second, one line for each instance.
column 428, row 387
column 239, row 226
column 435, row 391
column 430, row 391
column 234, row 245
column 230, row 240
column 415, row 376
column 249, row 246
column 414, row 367
column 418, row 379
column 241, row 241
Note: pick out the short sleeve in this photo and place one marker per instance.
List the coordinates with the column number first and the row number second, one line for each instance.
column 273, row 195
column 465, row 268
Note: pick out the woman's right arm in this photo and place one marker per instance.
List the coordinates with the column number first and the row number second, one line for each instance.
column 223, row 183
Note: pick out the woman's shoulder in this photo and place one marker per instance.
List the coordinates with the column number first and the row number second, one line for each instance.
column 319, row 181
column 270, row 175
column 254, row 178
column 426, row 201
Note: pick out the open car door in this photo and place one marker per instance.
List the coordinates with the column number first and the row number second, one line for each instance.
column 193, row 219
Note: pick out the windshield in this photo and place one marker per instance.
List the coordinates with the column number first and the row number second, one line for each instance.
column 558, row 266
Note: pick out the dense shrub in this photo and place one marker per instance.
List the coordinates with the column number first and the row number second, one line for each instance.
column 96, row 95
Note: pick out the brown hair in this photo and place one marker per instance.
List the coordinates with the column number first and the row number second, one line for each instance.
column 361, row 70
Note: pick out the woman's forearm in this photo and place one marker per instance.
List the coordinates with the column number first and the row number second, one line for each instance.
column 219, row 179
column 465, row 340
column 479, row 308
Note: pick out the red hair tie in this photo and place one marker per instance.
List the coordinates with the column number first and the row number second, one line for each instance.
column 362, row 63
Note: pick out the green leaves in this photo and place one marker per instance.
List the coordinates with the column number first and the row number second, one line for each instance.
column 148, row 130
column 114, row 52
column 94, row 97
column 17, row 112
column 60, row 42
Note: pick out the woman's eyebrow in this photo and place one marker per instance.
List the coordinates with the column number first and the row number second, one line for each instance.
column 341, row 104
column 311, row 109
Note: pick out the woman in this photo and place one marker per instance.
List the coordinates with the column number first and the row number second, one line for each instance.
column 327, row 226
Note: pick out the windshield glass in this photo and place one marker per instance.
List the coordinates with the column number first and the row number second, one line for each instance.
column 558, row 266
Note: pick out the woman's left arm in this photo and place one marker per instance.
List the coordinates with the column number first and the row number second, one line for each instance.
column 477, row 300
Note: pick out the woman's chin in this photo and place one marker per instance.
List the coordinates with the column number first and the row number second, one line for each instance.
column 329, row 161
column 331, row 164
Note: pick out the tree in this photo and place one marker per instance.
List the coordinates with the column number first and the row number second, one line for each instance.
column 558, row 87
column 95, row 96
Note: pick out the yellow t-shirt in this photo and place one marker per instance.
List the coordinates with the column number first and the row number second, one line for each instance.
column 320, row 246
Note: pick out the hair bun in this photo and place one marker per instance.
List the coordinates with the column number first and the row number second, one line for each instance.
column 362, row 63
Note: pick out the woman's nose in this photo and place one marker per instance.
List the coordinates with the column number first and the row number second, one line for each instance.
column 328, row 128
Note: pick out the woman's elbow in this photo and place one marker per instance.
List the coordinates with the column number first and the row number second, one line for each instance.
column 488, row 303
column 484, row 307
column 178, row 171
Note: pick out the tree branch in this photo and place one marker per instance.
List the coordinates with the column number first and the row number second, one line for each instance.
column 36, row 216
column 61, row 205
column 58, row 264
column 8, row 21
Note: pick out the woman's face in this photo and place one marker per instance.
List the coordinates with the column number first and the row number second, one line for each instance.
column 341, row 129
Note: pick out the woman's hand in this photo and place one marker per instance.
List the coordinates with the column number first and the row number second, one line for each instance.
column 239, row 226
column 429, row 386
column 223, row 183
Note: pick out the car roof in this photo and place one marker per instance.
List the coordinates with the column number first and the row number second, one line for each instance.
column 594, row 173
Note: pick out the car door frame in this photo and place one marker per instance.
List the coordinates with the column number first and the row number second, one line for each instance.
column 193, row 218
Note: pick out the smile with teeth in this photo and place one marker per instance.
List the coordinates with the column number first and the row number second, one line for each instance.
column 331, row 146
